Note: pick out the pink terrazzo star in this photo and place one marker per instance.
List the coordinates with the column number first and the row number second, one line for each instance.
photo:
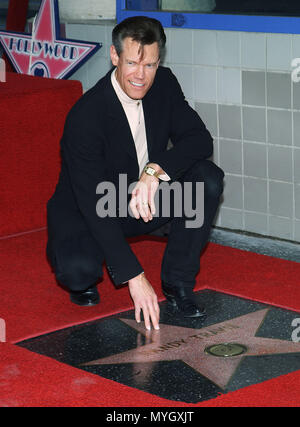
column 188, row 345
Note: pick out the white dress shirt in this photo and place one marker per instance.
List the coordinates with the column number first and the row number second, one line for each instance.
column 135, row 115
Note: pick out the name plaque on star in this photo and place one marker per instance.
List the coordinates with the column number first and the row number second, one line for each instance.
column 44, row 53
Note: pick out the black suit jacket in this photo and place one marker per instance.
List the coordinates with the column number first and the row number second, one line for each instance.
column 97, row 146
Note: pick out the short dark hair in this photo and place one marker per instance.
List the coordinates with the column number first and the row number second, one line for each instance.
column 141, row 29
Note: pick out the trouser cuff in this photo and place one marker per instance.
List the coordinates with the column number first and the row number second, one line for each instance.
column 173, row 282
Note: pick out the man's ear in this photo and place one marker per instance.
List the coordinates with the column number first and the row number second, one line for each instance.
column 114, row 56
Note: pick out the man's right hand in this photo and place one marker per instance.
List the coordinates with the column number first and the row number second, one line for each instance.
column 144, row 299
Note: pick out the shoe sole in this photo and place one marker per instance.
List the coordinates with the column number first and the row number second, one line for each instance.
column 85, row 304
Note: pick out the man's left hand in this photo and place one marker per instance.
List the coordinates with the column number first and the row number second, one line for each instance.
column 145, row 300
column 142, row 200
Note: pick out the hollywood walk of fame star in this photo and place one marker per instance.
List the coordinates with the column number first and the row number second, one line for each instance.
column 187, row 344
column 43, row 53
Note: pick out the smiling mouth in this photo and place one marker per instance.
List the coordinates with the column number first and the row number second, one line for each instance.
column 137, row 84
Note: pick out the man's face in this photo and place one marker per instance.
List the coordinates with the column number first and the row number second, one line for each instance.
column 135, row 70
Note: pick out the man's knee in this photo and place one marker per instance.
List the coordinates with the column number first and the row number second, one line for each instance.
column 214, row 180
column 79, row 273
column 208, row 172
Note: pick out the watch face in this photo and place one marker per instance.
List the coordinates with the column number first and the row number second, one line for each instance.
column 150, row 171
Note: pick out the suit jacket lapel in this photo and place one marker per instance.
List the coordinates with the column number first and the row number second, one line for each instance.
column 119, row 126
column 151, row 114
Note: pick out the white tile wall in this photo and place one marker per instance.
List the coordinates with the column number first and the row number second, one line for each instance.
column 180, row 54
column 185, row 76
column 205, row 47
column 229, row 86
column 205, row 83
column 279, row 52
column 99, row 64
column 253, row 51
column 228, row 48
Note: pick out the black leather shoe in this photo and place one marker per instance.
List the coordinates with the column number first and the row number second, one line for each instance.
column 86, row 298
column 181, row 299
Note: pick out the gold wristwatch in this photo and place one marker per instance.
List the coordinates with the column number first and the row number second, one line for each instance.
column 151, row 171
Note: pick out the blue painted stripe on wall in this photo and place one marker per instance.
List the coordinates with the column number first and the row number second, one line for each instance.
column 264, row 24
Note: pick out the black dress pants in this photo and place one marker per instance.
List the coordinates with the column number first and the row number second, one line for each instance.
column 77, row 259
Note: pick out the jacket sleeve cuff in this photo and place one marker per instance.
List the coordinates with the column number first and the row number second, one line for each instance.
column 122, row 275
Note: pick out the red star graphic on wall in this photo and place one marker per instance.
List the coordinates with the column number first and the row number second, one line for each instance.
column 43, row 53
